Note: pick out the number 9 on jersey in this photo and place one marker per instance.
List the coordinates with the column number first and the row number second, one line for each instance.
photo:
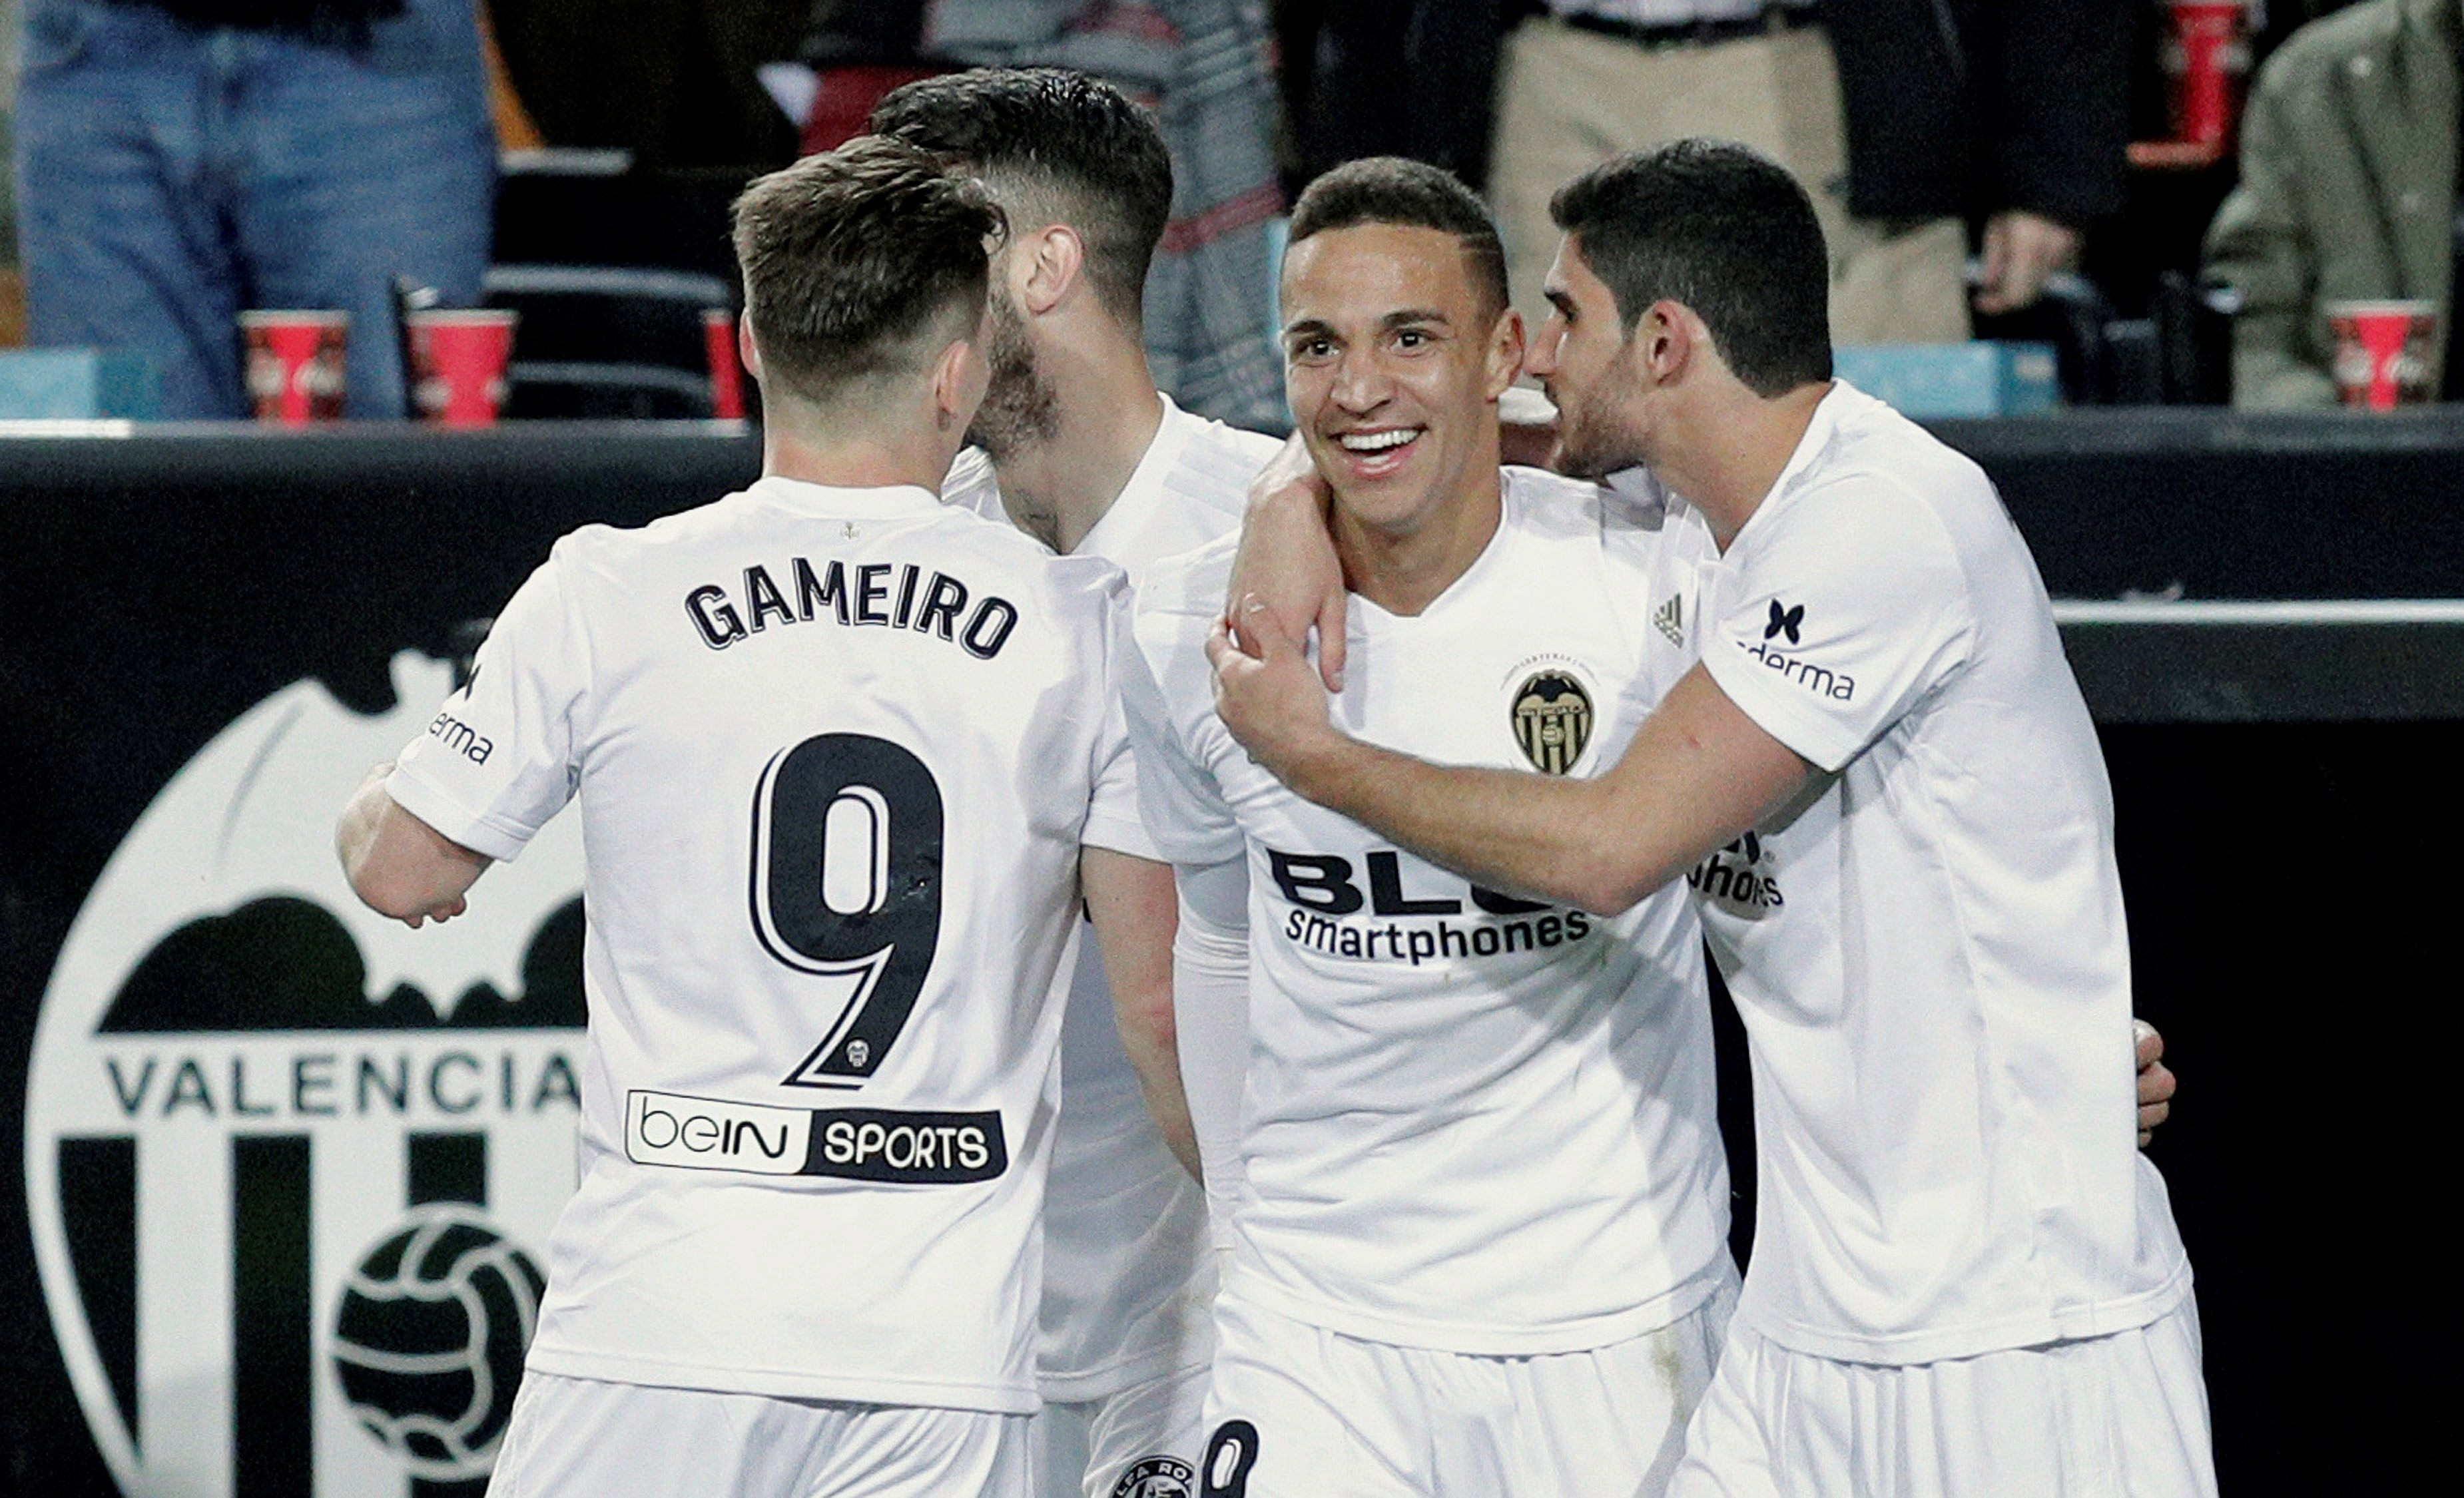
column 847, row 884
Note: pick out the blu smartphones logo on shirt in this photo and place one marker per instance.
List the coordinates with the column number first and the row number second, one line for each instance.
column 1738, row 879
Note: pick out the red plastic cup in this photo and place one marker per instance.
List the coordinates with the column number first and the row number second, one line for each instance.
column 295, row 366
column 726, row 375
column 2206, row 54
column 457, row 364
column 2383, row 352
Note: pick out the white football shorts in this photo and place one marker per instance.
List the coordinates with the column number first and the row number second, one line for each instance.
column 2124, row 1416
column 1142, row 1441
column 1300, row 1412
column 582, row 1438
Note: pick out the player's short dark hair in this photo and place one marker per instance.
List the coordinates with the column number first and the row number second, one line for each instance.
column 1723, row 229
column 1391, row 189
column 1056, row 143
column 855, row 259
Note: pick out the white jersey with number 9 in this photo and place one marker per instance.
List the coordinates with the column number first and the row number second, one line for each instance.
column 836, row 751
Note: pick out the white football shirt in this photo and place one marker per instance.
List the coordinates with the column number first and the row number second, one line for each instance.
column 1127, row 1284
column 1929, row 949
column 836, row 751
column 1471, row 1123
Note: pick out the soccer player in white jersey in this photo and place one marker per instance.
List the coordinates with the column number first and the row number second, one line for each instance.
column 847, row 759
column 1078, row 449
column 1886, row 788
column 1482, row 1247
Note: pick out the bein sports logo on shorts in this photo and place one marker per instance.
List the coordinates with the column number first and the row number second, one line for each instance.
column 285, row 1158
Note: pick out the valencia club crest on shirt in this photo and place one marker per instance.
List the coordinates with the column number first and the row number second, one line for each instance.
column 1551, row 718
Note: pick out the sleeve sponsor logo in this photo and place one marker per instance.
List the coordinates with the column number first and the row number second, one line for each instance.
column 1786, row 620
column 461, row 737
column 1821, row 680
column 874, row 1144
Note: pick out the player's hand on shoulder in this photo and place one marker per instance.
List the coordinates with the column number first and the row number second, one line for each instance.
column 1287, row 559
column 2156, row 1081
column 1265, row 692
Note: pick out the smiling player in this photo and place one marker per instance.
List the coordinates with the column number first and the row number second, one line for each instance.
column 1966, row 1281
column 1482, row 1244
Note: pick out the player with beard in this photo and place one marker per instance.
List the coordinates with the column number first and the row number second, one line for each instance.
column 1079, row 450
column 1889, row 793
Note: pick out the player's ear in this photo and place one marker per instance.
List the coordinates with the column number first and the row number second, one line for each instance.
column 1665, row 341
column 1505, row 343
column 746, row 349
column 958, row 379
column 1048, row 263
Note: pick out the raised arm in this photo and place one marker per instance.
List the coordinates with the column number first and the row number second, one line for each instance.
column 398, row 864
column 1134, row 910
column 1698, row 773
column 1287, row 559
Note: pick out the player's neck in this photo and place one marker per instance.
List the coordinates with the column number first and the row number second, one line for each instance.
column 1726, row 454
column 1107, row 413
column 869, row 460
column 1404, row 568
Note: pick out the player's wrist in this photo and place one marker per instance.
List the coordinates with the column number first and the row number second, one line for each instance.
column 1321, row 762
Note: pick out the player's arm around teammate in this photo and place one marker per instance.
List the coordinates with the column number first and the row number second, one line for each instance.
column 1699, row 773
column 1288, row 583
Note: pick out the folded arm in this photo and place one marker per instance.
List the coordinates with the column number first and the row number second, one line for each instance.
column 398, row 864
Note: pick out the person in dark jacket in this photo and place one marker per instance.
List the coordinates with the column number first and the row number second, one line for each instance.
column 1903, row 118
column 2348, row 169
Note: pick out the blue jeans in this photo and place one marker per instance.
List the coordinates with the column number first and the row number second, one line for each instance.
column 171, row 176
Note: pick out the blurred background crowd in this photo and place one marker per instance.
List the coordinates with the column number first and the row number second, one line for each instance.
column 2173, row 201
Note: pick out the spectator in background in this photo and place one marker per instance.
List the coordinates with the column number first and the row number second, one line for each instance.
column 181, row 160
column 671, row 81
column 1899, row 116
column 2348, row 163
column 12, row 282
column 1389, row 78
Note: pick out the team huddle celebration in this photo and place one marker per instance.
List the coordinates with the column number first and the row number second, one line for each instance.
column 1131, row 958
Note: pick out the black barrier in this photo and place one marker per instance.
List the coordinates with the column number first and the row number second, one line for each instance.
column 2280, row 778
